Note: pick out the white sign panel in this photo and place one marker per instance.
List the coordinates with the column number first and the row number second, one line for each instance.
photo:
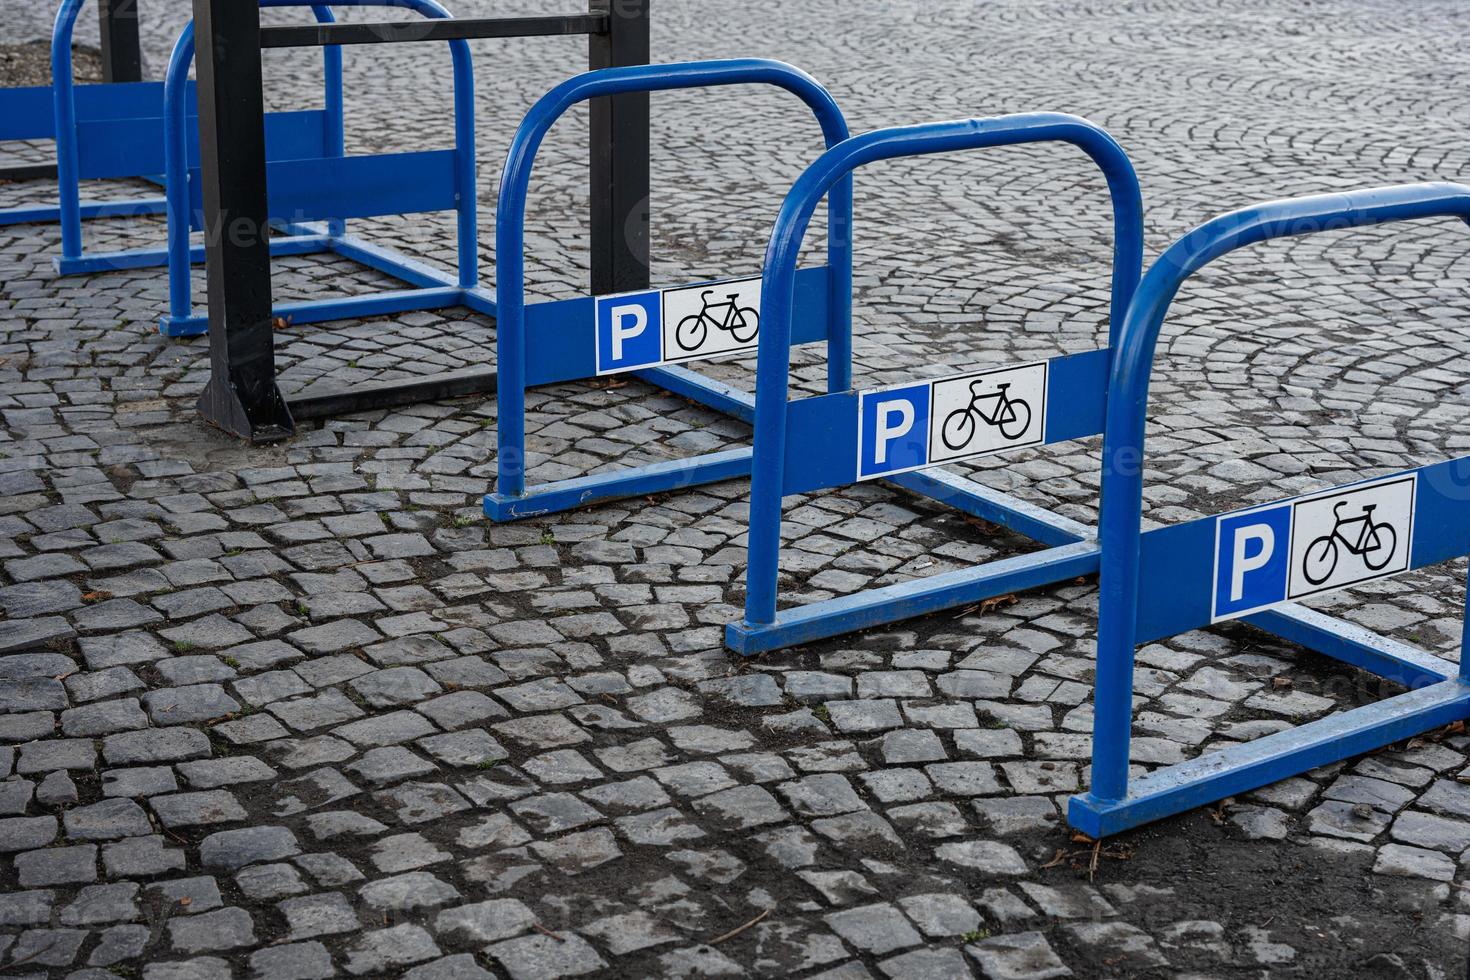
column 1351, row 536
column 653, row 327
column 1325, row 541
column 910, row 427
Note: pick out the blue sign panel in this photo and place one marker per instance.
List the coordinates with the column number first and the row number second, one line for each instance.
column 629, row 331
column 1252, row 560
column 893, row 430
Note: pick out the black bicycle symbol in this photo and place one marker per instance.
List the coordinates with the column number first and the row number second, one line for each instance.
column 1375, row 544
column 1012, row 416
column 742, row 322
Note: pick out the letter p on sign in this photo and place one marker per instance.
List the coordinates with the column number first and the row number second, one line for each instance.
column 893, row 430
column 895, row 419
column 628, row 321
column 1252, row 559
column 629, row 331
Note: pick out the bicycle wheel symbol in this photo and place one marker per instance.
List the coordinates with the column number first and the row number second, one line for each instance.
column 1320, row 561
column 1015, row 427
column 958, row 429
column 690, row 332
column 1383, row 540
column 745, row 324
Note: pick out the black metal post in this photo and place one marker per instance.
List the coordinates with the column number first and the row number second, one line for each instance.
column 619, row 154
column 122, row 56
column 242, row 397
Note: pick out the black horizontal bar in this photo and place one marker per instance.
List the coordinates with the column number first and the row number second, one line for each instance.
column 392, row 394
column 316, row 35
column 29, row 171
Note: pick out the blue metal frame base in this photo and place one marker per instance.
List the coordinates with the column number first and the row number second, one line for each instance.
column 676, row 474
column 917, row 597
column 1250, row 765
column 153, row 258
column 434, row 289
column 51, row 213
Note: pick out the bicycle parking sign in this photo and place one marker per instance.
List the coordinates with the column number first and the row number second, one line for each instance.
column 653, row 327
column 913, row 426
column 1313, row 544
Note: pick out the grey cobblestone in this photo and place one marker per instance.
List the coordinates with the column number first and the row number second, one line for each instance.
column 254, row 700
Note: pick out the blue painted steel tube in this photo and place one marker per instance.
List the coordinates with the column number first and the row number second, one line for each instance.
column 68, row 183
column 1123, row 435
column 334, row 102
column 779, row 280
column 510, row 221
column 1464, row 673
column 176, row 144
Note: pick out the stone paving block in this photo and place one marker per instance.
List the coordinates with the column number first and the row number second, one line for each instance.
column 141, row 856
column 57, row 866
column 325, row 914
column 418, row 889
column 26, row 833
column 1123, row 944
column 990, row 857
column 415, row 803
column 197, row 809
column 461, row 966
column 385, row 949
column 155, row 745
column 108, row 820
column 53, row 754
column 487, row 922
column 294, row 961
column 1022, row 956
column 538, row 957
column 236, row 848
column 226, row 928
column 875, row 929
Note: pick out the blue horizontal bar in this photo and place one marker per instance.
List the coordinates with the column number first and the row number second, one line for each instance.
column 480, row 300
column 696, row 387
column 29, row 112
column 905, row 600
column 1250, row 765
column 978, row 500
column 676, row 474
column 50, row 213
column 150, row 258
column 1352, row 644
column 354, row 186
column 821, row 442
column 386, row 261
column 108, row 148
column 129, row 147
column 1177, row 563
column 318, row 311
column 561, row 339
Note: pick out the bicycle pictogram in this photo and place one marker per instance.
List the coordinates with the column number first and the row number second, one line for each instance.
column 741, row 322
column 1374, row 543
column 1012, row 416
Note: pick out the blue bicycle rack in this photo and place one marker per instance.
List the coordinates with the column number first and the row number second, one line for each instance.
column 814, row 443
column 310, row 179
column 100, row 131
column 145, row 144
column 1170, row 580
column 565, row 340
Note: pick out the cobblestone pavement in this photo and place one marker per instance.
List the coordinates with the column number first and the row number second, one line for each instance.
column 301, row 712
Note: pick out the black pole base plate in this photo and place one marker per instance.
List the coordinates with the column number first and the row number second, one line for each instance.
column 271, row 421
